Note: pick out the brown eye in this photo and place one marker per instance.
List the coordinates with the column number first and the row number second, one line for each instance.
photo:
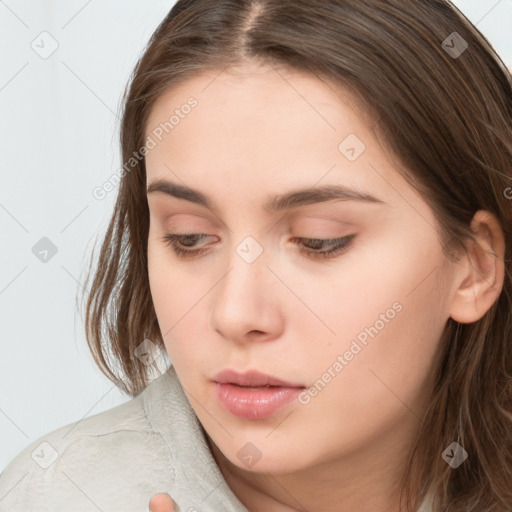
column 313, row 246
column 177, row 242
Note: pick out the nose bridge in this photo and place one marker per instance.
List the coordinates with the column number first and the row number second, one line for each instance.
column 247, row 268
column 242, row 302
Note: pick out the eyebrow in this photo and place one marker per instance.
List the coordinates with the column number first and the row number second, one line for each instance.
column 289, row 200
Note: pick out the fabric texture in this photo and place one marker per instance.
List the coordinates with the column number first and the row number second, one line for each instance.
column 119, row 459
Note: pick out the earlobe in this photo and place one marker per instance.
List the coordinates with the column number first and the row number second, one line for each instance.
column 482, row 270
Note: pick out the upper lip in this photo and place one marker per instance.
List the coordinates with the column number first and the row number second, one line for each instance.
column 251, row 378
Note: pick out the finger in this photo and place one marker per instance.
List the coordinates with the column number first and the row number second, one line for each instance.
column 161, row 503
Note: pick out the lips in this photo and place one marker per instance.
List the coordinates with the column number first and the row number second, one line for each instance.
column 252, row 379
column 254, row 395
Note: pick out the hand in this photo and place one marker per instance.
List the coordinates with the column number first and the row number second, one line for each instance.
column 161, row 502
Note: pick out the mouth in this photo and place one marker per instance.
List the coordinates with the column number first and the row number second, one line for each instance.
column 253, row 387
column 255, row 403
column 253, row 395
column 253, row 379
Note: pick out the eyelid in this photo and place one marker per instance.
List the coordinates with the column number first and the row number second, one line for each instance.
column 340, row 246
column 325, row 226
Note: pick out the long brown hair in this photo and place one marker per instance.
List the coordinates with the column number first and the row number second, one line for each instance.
column 442, row 101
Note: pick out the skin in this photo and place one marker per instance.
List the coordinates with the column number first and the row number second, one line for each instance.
column 162, row 502
column 257, row 132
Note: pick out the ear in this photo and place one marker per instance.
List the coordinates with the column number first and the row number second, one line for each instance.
column 482, row 270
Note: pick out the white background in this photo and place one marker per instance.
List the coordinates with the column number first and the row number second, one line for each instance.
column 58, row 141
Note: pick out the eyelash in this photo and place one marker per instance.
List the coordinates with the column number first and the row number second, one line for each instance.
column 344, row 243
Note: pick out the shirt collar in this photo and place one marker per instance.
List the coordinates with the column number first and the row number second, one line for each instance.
column 198, row 483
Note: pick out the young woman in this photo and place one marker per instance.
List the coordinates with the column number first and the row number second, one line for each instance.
column 314, row 222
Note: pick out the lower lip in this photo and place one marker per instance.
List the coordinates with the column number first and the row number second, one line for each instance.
column 255, row 403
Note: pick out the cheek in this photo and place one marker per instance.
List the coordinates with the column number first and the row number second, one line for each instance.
column 171, row 285
column 388, row 315
column 176, row 294
column 158, row 271
column 165, row 293
column 349, row 295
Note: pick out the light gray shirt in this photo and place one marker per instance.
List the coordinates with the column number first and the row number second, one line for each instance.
column 119, row 459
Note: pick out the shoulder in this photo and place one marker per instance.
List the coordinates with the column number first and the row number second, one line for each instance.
column 75, row 467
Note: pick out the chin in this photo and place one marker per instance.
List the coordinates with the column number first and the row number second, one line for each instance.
column 264, row 457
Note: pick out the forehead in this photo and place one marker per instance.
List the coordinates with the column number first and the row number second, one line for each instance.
column 263, row 116
column 255, row 89
column 259, row 130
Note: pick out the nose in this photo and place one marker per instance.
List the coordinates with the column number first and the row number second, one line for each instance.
column 245, row 302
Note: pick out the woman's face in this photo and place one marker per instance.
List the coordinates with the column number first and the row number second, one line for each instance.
column 358, row 329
